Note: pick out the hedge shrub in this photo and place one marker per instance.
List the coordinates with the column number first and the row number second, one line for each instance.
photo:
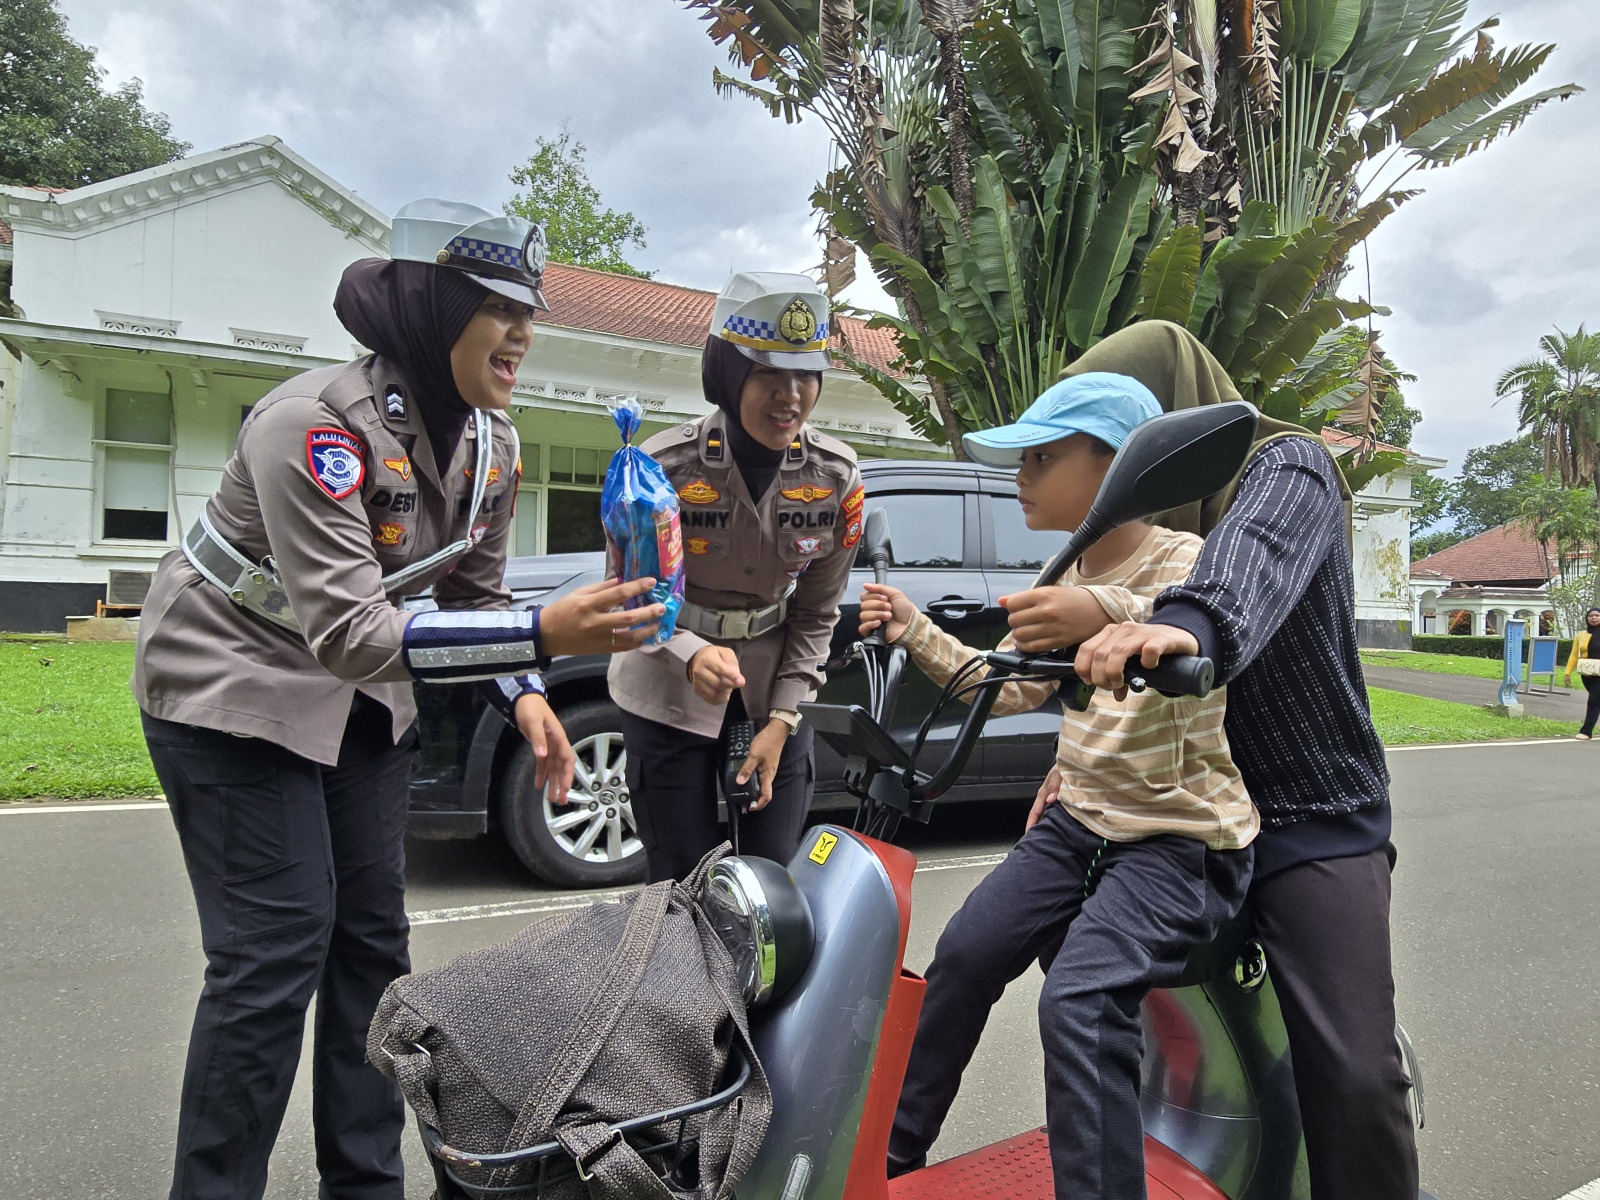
column 1479, row 647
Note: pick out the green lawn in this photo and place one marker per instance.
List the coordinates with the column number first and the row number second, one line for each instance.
column 1446, row 664
column 1412, row 720
column 72, row 728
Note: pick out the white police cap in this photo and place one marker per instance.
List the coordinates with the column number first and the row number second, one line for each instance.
column 505, row 254
column 776, row 319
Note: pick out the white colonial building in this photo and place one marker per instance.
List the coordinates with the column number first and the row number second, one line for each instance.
column 142, row 316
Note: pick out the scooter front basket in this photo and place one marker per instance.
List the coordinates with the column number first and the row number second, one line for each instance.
column 663, row 1139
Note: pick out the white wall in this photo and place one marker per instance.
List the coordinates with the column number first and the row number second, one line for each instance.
column 257, row 259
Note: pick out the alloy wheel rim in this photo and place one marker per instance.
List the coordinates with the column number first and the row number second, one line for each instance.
column 596, row 825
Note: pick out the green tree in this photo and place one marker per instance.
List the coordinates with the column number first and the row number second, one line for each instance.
column 58, row 126
column 1425, row 544
column 1558, row 402
column 1028, row 176
column 1433, row 496
column 1491, row 480
column 559, row 194
column 1559, row 517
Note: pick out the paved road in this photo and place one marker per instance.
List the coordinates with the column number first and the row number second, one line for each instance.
column 1563, row 705
column 1497, row 930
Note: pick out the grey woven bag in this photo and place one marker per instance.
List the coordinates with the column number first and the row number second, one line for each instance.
column 585, row 1019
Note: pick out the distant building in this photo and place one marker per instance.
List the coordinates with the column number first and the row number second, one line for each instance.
column 141, row 317
column 1501, row 573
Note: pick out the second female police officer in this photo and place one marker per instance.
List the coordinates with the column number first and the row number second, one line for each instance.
column 274, row 675
column 771, row 515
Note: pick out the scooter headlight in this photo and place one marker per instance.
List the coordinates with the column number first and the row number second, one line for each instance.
column 764, row 921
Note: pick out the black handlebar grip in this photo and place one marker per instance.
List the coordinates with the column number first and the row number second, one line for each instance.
column 1176, row 675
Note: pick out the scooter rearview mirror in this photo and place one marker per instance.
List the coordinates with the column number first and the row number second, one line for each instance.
column 1169, row 461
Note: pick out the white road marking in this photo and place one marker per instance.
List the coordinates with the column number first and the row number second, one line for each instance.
column 1478, row 745
column 12, row 810
column 1589, row 1191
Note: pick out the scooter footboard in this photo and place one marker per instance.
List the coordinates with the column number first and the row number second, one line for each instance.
column 818, row 1043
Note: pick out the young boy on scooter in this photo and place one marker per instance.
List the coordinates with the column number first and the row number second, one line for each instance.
column 1144, row 855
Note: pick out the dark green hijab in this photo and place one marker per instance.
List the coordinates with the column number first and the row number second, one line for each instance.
column 1172, row 363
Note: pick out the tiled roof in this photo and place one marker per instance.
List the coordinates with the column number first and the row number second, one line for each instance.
column 652, row 311
column 1506, row 554
column 1342, row 438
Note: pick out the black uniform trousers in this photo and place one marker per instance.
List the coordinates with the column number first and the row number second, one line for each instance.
column 1591, row 684
column 1108, row 921
column 298, row 873
column 672, row 784
column 1324, row 925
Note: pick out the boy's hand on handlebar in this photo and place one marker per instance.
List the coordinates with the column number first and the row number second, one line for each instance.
column 1049, row 793
column 886, row 606
column 1102, row 658
column 766, row 748
column 591, row 620
column 1052, row 618
column 714, row 673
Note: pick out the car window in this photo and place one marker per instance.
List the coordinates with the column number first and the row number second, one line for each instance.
column 925, row 528
column 1016, row 547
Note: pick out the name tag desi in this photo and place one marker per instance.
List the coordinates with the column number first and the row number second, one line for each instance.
column 337, row 459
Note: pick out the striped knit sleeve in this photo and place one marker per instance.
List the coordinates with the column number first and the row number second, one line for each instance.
column 939, row 656
column 1258, row 562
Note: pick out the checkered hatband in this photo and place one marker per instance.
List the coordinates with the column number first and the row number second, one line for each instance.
column 524, row 264
column 763, row 335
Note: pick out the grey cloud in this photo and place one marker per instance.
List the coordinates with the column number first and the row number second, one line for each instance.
column 418, row 97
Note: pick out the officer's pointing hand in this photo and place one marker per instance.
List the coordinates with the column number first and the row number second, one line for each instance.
column 714, row 673
column 591, row 620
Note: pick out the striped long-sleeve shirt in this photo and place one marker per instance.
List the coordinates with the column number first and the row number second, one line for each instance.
column 1137, row 767
column 1271, row 600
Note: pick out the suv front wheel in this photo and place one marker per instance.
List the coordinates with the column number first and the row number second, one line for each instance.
column 592, row 841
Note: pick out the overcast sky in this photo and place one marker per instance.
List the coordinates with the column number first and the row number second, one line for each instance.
column 443, row 97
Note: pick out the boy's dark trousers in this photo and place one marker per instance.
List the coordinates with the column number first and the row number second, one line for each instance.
column 1108, row 921
column 298, row 872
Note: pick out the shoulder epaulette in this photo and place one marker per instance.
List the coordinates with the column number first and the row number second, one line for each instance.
column 832, row 445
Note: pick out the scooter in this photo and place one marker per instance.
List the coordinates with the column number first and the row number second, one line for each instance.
column 820, row 946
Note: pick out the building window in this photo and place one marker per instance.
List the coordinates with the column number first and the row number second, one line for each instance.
column 136, row 466
column 558, row 506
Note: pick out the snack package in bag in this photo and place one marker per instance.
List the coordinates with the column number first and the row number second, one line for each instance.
column 639, row 510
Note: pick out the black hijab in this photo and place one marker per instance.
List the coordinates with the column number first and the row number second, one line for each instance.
column 723, row 371
column 412, row 313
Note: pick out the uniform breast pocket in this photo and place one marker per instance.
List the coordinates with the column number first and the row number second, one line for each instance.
column 704, row 547
column 392, row 513
column 801, row 546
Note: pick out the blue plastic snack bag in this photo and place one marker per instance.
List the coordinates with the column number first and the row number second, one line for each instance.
column 639, row 510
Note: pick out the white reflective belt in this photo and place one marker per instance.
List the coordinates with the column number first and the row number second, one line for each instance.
column 259, row 588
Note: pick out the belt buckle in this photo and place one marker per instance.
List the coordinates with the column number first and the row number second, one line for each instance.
column 736, row 624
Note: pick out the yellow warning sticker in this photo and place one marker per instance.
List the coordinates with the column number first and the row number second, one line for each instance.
column 824, row 847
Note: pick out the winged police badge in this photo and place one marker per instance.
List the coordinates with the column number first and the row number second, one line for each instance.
column 806, row 493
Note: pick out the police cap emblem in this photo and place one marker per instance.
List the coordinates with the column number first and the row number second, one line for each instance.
column 798, row 324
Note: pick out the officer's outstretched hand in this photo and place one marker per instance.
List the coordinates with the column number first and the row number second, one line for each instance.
column 714, row 673
column 552, row 753
column 888, row 607
column 591, row 620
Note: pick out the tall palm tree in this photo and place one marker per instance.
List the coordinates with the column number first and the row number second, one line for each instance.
column 1558, row 399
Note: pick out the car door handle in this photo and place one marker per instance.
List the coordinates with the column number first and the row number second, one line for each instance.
column 956, row 606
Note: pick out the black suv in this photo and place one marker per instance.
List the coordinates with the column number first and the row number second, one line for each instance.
column 959, row 544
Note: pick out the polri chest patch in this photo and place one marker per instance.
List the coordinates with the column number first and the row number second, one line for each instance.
column 337, row 459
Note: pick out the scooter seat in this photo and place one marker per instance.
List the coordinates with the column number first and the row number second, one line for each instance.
column 1019, row 1169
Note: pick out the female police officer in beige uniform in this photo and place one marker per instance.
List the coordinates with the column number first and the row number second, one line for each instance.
column 771, row 514
column 274, row 675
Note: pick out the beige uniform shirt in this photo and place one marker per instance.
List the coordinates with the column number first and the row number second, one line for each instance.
column 203, row 660
column 1143, row 765
column 740, row 554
